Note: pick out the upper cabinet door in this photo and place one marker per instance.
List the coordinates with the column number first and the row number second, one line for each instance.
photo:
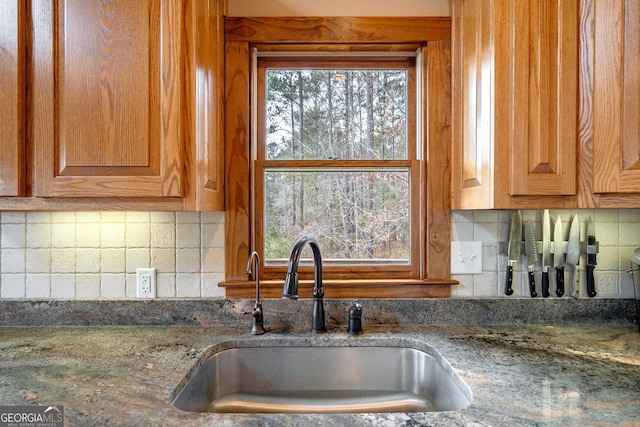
column 536, row 95
column 515, row 102
column 110, row 113
column 616, row 96
column 12, row 94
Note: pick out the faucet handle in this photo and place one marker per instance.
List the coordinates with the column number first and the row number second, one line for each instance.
column 355, row 318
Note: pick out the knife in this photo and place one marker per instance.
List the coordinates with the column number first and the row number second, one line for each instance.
column 573, row 254
column 546, row 252
column 591, row 258
column 558, row 257
column 515, row 242
column 532, row 255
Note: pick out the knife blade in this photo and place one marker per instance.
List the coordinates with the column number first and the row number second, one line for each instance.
column 591, row 258
column 532, row 255
column 558, row 256
column 515, row 241
column 546, row 252
column 573, row 255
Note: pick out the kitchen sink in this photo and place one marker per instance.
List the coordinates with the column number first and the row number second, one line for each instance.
column 299, row 377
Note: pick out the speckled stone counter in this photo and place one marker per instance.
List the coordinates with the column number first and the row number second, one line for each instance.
column 571, row 375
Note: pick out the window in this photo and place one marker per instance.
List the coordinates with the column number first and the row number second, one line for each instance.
column 335, row 158
column 362, row 163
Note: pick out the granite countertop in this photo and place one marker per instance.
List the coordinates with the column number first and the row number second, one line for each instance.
column 568, row 375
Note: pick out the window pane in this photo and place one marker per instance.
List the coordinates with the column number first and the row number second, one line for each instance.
column 336, row 114
column 359, row 216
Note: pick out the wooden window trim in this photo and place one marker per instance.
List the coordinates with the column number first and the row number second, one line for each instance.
column 242, row 34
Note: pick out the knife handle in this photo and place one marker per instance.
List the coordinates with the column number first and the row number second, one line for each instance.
column 591, row 284
column 559, row 281
column 545, row 283
column 532, row 284
column 509, row 281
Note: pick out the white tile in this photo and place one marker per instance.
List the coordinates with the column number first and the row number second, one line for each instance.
column 209, row 285
column 88, row 286
column 629, row 215
column 607, row 233
column 88, row 235
column 166, row 285
column 462, row 231
column 188, row 260
column 187, row 235
column 138, row 258
column 629, row 234
column 113, row 261
column 138, row 235
column 63, row 235
column 187, row 217
column 38, row 261
column 63, row 285
column 113, row 285
column 63, row 217
column 606, row 283
column 464, row 289
column 485, row 284
column 489, row 258
column 88, row 217
column 164, row 260
column 212, row 217
column 134, row 216
column 487, row 233
column 212, row 235
column 13, row 261
column 13, row 286
column 462, row 216
column 112, row 235
column 485, row 216
column 13, row 217
column 607, row 215
column 38, row 235
column 112, row 216
column 608, row 258
column 13, row 236
column 63, row 261
column 187, row 285
column 163, row 235
column 38, row 217
column 38, row 286
column 88, row 260
column 132, row 284
column 212, row 260
column 163, row 217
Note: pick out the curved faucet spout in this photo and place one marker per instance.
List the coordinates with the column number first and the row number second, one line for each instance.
column 290, row 288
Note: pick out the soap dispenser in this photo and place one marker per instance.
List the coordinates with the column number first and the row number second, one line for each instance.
column 355, row 318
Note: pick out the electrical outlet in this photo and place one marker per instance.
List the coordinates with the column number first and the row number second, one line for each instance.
column 466, row 257
column 146, row 282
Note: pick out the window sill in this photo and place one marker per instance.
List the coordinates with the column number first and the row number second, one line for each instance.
column 374, row 288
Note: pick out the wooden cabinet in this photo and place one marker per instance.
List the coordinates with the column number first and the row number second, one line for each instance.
column 615, row 27
column 119, row 102
column 110, row 114
column 12, row 94
column 514, row 106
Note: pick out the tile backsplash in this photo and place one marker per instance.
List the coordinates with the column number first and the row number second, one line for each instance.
column 617, row 231
column 94, row 255
column 91, row 255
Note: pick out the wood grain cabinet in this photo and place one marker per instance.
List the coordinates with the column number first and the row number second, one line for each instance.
column 123, row 101
column 612, row 54
column 12, row 93
column 515, row 109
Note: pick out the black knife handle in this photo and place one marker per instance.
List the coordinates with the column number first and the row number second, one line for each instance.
column 532, row 284
column 591, row 284
column 509, row 280
column 559, row 281
column 545, row 284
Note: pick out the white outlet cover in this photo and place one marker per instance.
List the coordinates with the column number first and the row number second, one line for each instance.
column 466, row 257
column 146, row 290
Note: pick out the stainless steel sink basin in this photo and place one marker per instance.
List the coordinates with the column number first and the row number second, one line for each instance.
column 290, row 378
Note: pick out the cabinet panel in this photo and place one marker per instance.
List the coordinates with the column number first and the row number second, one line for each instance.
column 543, row 36
column 109, row 115
column 616, row 97
column 12, row 94
column 515, row 103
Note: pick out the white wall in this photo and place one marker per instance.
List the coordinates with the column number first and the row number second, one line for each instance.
column 339, row 8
